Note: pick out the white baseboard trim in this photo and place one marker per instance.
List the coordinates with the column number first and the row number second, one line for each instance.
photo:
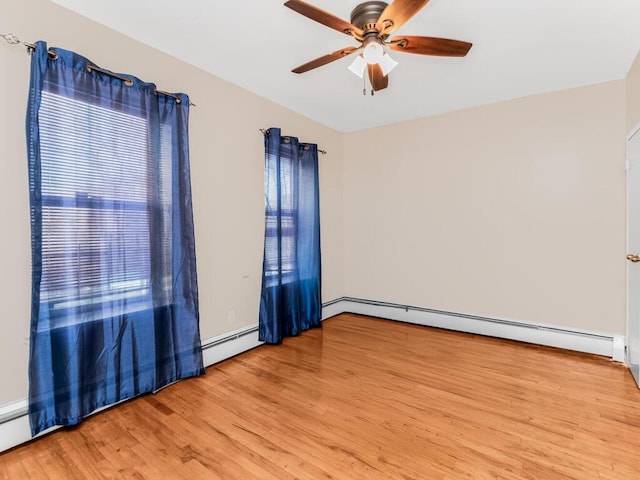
column 230, row 344
column 14, row 428
column 332, row 308
column 606, row 344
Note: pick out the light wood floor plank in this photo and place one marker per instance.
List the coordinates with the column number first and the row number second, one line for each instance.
column 370, row 399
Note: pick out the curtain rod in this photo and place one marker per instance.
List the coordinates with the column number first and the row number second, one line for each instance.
column 264, row 132
column 11, row 39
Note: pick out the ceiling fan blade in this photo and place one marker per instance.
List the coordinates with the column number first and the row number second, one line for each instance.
column 323, row 17
column 320, row 61
column 443, row 47
column 378, row 80
column 397, row 13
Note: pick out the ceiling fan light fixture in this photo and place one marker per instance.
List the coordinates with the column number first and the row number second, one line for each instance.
column 358, row 66
column 373, row 52
column 387, row 64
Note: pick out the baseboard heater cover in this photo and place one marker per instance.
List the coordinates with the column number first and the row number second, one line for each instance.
column 13, row 410
column 598, row 343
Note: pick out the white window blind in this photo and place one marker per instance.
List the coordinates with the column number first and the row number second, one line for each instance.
column 105, row 210
column 280, row 252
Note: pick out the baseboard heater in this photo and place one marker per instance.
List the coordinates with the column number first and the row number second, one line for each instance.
column 229, row 338
column 408, row 308
column 572, row 339
column 20, row 410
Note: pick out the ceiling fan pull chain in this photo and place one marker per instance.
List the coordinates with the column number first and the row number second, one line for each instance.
column 371, row 84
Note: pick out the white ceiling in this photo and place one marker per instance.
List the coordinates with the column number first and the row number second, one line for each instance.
column 520, row 48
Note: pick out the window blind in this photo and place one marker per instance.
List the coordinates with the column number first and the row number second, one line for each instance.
column 101, row 196
column 280, row 250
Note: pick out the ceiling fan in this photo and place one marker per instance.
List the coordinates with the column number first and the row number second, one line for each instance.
column 371, row 24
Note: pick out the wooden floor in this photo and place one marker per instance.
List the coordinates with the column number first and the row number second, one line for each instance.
column 365, row 399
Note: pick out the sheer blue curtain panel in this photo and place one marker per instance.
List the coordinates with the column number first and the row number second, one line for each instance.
column 290, row 302
column 114, row 291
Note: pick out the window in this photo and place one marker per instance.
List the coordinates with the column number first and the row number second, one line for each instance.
column 97, row 223
column 280, row 250
column 114, row 310
column 290, row 301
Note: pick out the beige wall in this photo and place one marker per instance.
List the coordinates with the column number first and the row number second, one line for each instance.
column 633, row 95
column 227, row 176
column 514, row 210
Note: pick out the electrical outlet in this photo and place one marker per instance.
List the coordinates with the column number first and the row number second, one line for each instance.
column 231, row 316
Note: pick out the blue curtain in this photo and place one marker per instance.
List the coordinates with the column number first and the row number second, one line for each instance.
column 114, row 289
column 290, row 302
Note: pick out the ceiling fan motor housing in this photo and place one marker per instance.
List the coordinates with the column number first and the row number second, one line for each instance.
column 366, row 15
